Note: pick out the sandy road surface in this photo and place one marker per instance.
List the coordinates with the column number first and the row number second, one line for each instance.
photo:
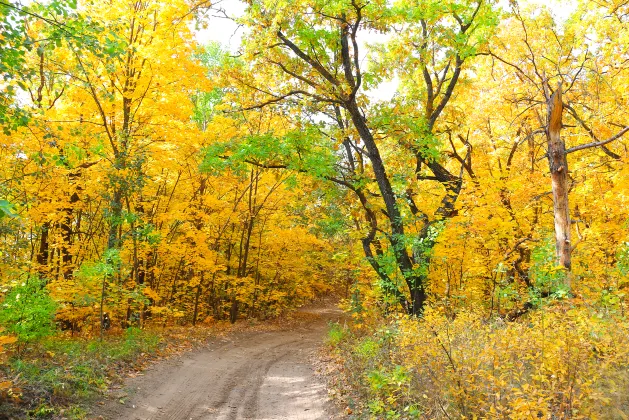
column 253, row 375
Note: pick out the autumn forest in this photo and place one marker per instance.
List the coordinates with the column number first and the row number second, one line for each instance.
column 454, row 173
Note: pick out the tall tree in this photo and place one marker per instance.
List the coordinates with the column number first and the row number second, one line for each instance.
column 312, row 63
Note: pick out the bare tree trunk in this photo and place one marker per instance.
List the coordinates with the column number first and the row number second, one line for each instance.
column 196, row 300
column 559, row 175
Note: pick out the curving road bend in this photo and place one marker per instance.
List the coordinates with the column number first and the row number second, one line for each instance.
column 254, row 375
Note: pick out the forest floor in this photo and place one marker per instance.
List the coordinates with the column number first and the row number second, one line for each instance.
column 260, row 375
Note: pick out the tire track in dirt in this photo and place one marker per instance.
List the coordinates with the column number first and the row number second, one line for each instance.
column 247, row 376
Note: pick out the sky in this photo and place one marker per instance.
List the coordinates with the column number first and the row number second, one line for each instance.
column 221, row 29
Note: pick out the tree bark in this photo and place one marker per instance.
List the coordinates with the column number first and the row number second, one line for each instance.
column 66, row 234
column 196, row 300
column 396, row 237
column 559, row 176
column 44, row 249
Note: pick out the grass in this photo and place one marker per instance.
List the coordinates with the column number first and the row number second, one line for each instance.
column 58, row 377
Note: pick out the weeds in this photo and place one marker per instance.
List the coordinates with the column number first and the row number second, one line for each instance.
column 60, row 375
column 336, row 333
column 566, row 360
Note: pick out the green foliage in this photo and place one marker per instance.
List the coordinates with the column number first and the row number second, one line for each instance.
column 205, row 102
column 7, row 209
column 74, row 371
column 381, row 379
column 332, row 223
column 301, row 151
column 622, row 258
column 548, row 277
column 368, row 348
column 612, row 299
column 107, row 267
column 423, row 246
column 387, row 385
column 28, row 311
column 336, row 333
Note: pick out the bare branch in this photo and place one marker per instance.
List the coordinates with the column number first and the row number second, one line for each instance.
column 280, row 98
column 599, row 143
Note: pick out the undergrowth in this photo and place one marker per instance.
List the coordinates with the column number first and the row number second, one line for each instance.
column 566, row 360
column 57, row 377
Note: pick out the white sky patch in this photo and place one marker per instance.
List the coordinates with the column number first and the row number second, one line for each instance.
column 222, row 28
column 561, row 9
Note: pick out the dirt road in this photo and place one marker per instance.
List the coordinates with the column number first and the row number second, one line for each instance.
column 254, row 375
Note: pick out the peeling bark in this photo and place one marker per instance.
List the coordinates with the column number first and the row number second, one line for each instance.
column 559, row 176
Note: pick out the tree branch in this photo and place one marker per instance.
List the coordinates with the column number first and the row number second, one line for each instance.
column 599, row 143
column 313, row 63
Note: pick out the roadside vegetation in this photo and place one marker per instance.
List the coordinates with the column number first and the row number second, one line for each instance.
column 567, row 360
column 60, row 377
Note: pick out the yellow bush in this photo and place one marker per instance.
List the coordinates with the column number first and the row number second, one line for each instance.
column 562, row 361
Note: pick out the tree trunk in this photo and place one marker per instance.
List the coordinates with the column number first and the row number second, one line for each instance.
column 233, row 310
column 559, row 175
column 418, row 295
column 396, row 223
column 44, row 249
column 112, row 242
column 196, row 300
column 66, row 234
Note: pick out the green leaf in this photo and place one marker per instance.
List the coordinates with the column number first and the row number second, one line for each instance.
column 7, row 209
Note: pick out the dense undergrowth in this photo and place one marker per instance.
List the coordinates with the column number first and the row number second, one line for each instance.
column 58, row 376
column 565, row 360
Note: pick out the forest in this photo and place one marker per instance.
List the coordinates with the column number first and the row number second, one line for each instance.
column 456, row 172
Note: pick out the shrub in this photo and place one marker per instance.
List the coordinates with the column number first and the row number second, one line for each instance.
column 28, row 311
column 66, row 374
column 565, row 361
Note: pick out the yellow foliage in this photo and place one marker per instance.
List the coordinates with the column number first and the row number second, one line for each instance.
column 564, row 361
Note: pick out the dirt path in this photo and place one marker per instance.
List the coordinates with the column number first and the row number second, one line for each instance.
column 255, row 375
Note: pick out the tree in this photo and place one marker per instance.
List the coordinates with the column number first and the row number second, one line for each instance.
column 566, row 62
column 316, row 58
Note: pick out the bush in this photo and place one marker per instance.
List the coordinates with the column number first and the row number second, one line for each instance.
column 565, row 361
column 28, row 311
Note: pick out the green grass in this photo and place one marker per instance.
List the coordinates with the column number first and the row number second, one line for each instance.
column 58, row 375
